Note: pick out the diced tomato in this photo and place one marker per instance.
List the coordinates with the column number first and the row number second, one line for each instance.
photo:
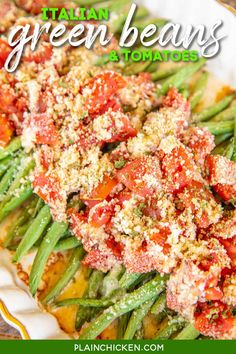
column 6, row 7
column 213, row 294
column 226, row 191
column 86, row 137
column 91, row 203
column 46, row 156
column 202, row 203
column 123, row 196
column 46, row 132
column 176, row 100
column 213, row 319
column 7, row 100
column 99, row 260
column 137, row 259
column 207, row 262
column 220, row 170
column 102, row 190
column 100, row 215
column 100, row 89
column 178, row 169
column 76, row 219
column 34, row 7
column 112, row 105
column 230, row 246
column 200, row 141
column 152, row 209
column 212, row 290
column 46, row 99
column 116, row 247
column 142, row 175
column 6, row 130
column 225, row 228
column 5, row 50
column 40, row 55
column 47, row 187
column 160, row 237
column 120, row 128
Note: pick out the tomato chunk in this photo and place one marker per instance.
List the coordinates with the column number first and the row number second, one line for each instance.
column 113, row 126
column 6, row 130
column 226, row 191
column 142, row 175
column 76, row 220
column 213, row 319
column 5, row 50
column 46, row 132
column 116, row 247
column 47, row 187
column 220, row 170
column 102, row 190
column 7, row 100
column 100, row 90
column 100, row 214
column 176, row 100
column 178, row 169
column 202, row 203
column 160, row 237
column 200, row 141
column 40, row 55
column 230, row 246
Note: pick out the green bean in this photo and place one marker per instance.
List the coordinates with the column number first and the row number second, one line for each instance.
column 221, row 138
column 158, row 22
column 220, row 149
column 229, row 149
column 5, row 164
column 84, row 313
column 18, row 226
column 33, row 233
column 181, row 76
column 227, row 114
column 85, row 302
column 159, row 305
column 129, row 302
column 24, row 169
column 6, row 180
column 47, row 245
column 9, row 175
column 67, row 244
column 198, row 90
column 128, row 279
column 15, row 227
column 164, row 73
column 218, row 128
column 174, row 325
column 136, row 68
column 214, row 109
column 14, row 145
column 38, row 207
column 15, row 201
column 189, row 332
column 72, row 268
column 152, row 67
column 111, row 281
column 137, row 317
column 184, row 90
column 122, row 325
